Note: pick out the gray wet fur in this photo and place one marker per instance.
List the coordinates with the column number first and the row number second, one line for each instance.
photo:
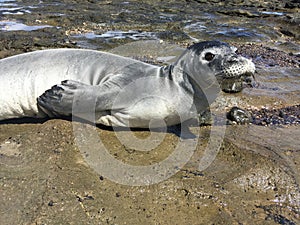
column 114, row 90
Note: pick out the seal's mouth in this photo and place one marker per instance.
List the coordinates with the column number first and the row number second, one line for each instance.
column 236, row 74
column 237, row 83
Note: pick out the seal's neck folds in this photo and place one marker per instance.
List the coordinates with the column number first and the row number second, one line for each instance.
column 202, row 80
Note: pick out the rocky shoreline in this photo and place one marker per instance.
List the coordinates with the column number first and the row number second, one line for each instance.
column 250, row 173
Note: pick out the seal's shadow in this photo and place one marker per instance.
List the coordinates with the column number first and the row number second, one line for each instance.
column 180, row 130
column 25, row 120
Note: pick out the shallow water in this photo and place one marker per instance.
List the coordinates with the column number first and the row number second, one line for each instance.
column 15, row 26
column 11, row 7
column 117, row 34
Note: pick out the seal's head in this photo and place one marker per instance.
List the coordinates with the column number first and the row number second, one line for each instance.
column 217, row 60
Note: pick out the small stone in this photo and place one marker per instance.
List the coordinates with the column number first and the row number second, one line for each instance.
column 50, row 203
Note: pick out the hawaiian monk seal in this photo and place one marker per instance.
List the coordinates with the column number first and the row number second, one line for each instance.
column 124, row 92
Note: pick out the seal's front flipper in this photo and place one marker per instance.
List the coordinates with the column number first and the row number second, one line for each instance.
column 58, row 101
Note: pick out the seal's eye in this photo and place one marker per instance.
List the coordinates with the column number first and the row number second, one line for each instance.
column 209, row 56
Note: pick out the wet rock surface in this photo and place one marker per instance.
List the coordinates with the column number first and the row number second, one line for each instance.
column 237, row 174
column 46, row 180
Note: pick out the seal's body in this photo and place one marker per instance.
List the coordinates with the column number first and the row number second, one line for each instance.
column 26, row 77
column 120, row 91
